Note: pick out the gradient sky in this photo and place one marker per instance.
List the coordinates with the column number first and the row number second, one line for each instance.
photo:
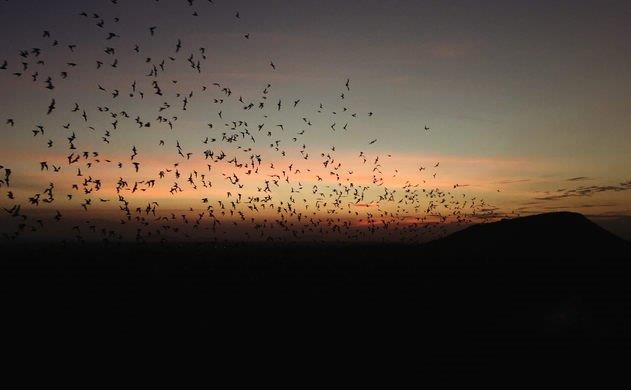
column 528, row 102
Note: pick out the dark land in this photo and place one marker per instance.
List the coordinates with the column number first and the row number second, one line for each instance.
column 541, row 289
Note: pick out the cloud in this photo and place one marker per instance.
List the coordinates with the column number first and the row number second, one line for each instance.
column 513, row 181
column 586, row 191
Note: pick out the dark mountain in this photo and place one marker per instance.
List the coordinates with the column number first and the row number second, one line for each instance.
column 551, row 235
column 533, row 289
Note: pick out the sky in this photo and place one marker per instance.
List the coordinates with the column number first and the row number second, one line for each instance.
column 527, row 105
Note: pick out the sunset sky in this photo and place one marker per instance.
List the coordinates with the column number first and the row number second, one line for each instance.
column 527, row 102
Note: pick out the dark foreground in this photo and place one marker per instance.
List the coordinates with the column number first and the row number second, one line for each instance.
column 543, row 290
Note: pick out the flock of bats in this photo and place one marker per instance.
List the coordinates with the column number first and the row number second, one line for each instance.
column 251, row 176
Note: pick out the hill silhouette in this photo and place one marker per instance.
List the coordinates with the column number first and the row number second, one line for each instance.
column 554, row 282
column 558, row 234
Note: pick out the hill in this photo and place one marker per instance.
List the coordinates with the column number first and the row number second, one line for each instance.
column 553, row 282
column 543, row 236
